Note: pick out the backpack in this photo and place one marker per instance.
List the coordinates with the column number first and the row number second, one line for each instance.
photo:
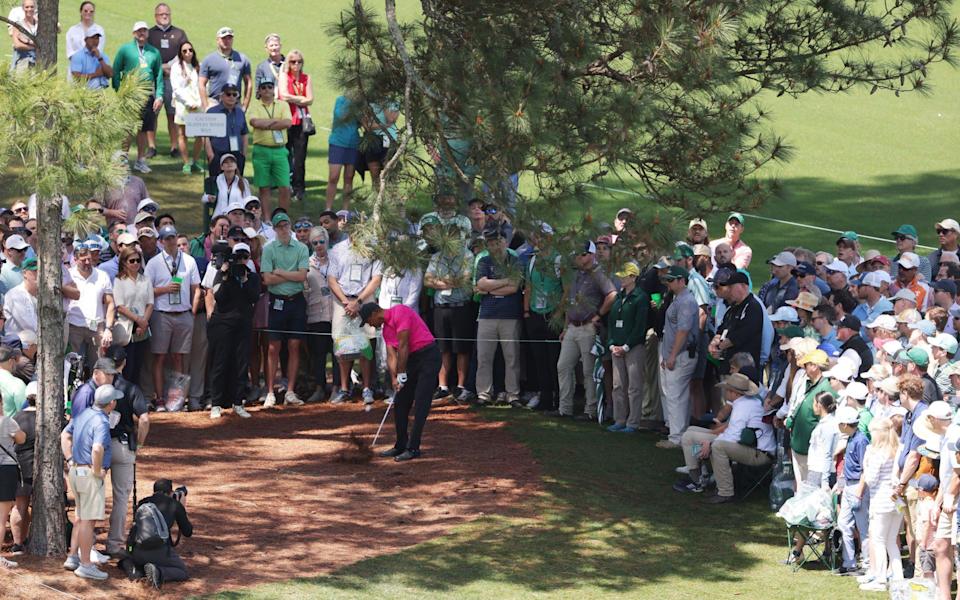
column 149, row 530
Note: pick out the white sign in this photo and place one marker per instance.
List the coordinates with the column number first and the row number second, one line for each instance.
column 206, row 125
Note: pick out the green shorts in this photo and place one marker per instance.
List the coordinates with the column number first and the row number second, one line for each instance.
column 271, row 166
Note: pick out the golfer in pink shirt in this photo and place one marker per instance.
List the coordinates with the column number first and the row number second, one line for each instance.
column 414, row 361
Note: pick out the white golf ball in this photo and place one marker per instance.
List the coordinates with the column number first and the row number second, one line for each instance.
column 939, row 114
column 368, row 408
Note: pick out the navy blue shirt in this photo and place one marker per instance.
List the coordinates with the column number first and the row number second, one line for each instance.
column 236, row 127
column 82, row 399
column 853, row 457
column 500, row 307
column 910, row 440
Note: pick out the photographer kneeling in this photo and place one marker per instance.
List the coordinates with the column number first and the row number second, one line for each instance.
column 149, row 545
column 230, row 297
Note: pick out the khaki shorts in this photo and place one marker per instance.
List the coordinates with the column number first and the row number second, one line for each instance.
column 341, row 320
column 171, row 333
column 946, row 526
column 90, row 495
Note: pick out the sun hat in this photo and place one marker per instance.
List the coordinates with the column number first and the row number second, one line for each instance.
column 804, row 301
column 739, row 383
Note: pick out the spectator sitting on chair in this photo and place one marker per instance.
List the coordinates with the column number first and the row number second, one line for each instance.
column 729, row 441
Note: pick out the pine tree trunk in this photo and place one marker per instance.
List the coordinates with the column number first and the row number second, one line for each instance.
column 48, row 531
column 48, row 11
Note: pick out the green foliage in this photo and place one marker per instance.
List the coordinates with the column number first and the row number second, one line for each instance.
column 662, row 92
column 64, row 136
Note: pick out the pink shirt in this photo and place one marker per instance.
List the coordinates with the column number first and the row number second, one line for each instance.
column 403, row 318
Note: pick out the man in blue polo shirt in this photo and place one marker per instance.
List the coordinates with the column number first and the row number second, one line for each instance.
column 86, row 446
column 235, row 140
column 90, row 64
column 224, row 67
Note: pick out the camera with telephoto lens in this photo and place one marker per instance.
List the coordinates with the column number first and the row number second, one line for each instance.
column 221, row 253
column 180, row 493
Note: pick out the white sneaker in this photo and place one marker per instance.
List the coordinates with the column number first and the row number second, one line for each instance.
column 72, row 562
column 270, row 400
column 97, row 558
column 367, row 396
column 91, row 572
column 866, row 578
column 341, row 397
column 240, row 411
column 141, row 165
column 873, row 586
column 292, row 399
column 534, row 401
column 683, row 470
column 6, row 562
column 216, row 412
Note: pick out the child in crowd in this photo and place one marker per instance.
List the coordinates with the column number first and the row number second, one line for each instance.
column 926, row 486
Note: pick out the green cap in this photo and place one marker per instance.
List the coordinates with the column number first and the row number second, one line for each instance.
column 280, row 218
column 737, row 216
column 682, row 251
column 429, row 219
column 907, row 231
column 792, row 331
column 29, row 264
column 918, row 356
column 677, row 273
column 849, row 235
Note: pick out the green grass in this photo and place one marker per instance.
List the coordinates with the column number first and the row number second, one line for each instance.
column 607, row 526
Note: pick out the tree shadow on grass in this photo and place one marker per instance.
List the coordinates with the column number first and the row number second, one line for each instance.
column 607, row 519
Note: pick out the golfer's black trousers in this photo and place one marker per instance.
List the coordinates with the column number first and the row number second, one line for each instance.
column 423, row 370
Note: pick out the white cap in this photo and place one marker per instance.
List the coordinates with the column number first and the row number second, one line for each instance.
column 784, row 259
column 889, row 385
column 856, row 390
column 909, row 260
column 224, row 32
column 848, row 415
column 891, row 347
column 236, row 205
column 911, row 315
column 877, row 372
column 785, row 313
column 944, row 341
column 125, row 239
column 139, row 25
column 887, row 322
column 839, row 266
column 842, row 371
column 145, row 203
column 939, row 410
column 904, row 294
column 15, row 241
column 949, row 224
column 95, row 30
column 241, row 247
column 250, row 232
column 873, row 279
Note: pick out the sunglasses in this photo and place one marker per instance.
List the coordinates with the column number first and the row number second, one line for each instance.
column 295, row 62
column 231, row 94
column 899, row 238
column 490, row 211
column 150, row 208
column 943, row 231
column 302, row 226
column 318, row 243
column 21, row 209
column 133, row 261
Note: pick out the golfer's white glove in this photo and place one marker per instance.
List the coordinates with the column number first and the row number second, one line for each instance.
column 402, row 378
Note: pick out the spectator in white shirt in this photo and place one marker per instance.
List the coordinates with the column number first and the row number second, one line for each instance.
column 90, row 318
column 20, row 303
column 176, row 283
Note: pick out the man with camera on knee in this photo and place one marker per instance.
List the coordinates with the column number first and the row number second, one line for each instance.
column 150, row 546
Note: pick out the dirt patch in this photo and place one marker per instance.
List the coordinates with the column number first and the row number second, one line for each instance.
column 272, row 498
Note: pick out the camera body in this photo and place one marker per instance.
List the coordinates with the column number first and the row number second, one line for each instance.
column 180, row 493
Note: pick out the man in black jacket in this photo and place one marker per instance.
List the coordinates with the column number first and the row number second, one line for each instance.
column 742, row 326
column 234, row 291
column 161, row 564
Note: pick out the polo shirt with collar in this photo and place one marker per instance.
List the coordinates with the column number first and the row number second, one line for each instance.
column 351, row 270
column 14, row 393
column 868, row 314
column 89, row 310
column 236, row 128
column 292, row 256
column 85, row 63
column 10, row 277
column 91, row 427
column 158, row 271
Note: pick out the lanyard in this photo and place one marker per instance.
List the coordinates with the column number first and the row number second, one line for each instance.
column 175, row 264
column 140, row 51
column 273, row 105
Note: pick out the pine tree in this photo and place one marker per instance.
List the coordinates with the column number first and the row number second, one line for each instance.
column 661, row 92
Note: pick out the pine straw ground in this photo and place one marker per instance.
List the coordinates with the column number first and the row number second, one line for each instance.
column 291, row 493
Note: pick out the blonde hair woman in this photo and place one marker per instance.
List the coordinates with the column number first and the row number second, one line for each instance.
column 296, row 88
column 879, row 477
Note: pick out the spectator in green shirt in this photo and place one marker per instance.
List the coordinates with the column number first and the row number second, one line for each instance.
column 140, row 57
column 284, row 266
column 627, row 333
column 802, row 420
column 542, row 295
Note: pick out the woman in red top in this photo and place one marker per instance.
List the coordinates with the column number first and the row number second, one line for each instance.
column 296, row 88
